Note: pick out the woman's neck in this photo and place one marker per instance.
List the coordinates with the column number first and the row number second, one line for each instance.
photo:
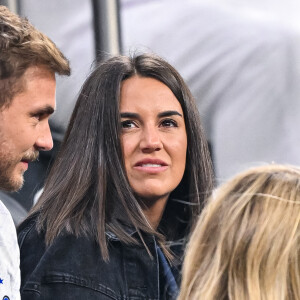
column 154, row 210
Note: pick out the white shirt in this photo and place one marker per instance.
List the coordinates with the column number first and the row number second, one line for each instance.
column 9, row 257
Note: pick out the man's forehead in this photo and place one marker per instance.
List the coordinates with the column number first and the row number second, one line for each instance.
column 38, row 71
column 38, row 91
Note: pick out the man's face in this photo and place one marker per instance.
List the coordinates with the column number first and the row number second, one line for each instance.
column 24, row 127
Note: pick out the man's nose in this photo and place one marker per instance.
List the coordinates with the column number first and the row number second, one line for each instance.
column 44, row 141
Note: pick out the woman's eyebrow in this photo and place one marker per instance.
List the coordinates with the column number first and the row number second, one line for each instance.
column 169, row 113
column 166, row 113
column 129, row 115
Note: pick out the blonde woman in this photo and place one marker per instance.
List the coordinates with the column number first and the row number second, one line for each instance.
column 246, row 244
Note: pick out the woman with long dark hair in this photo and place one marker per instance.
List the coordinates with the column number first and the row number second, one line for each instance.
column 124, row 191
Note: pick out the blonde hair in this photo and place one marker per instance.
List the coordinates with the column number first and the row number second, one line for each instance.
column 246, row 244
column 23, row 46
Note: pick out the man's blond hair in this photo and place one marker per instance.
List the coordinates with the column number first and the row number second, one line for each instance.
column 23, row 46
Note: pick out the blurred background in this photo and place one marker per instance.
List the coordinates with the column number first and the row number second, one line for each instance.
column 240, row 58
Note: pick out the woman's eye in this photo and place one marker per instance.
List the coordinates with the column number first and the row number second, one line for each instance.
column 128, row 124
column 169, row 123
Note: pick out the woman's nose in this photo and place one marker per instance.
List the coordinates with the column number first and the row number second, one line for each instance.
column 150, row 139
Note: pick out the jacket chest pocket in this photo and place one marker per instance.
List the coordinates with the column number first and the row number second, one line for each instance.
column 62, row 286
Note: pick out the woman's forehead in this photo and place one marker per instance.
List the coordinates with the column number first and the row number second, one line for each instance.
column 138, row 92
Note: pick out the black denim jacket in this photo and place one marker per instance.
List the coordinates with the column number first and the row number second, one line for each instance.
column 72, row 268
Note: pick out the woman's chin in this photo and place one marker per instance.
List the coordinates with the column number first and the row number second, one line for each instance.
column 150, row 197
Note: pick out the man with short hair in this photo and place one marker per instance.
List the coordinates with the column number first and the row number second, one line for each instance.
column 29, row 61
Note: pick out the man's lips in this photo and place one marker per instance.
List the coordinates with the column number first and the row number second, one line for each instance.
column 29, row 157
column 151, row 165
column 25, row 164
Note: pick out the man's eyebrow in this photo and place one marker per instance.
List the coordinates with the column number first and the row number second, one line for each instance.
column 47, row 110
column 169, row 113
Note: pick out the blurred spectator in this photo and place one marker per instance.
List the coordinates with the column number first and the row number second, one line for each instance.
column 246, row 243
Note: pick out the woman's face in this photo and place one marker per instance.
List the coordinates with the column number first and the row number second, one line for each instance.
column 154, row 140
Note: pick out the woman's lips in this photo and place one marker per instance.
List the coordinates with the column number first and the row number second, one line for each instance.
column 151, row 166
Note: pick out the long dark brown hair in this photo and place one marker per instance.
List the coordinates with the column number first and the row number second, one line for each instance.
column 88, row 186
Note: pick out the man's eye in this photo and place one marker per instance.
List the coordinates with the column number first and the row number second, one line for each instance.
column 38, row 116
column 169, row 123
column 128, row 124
